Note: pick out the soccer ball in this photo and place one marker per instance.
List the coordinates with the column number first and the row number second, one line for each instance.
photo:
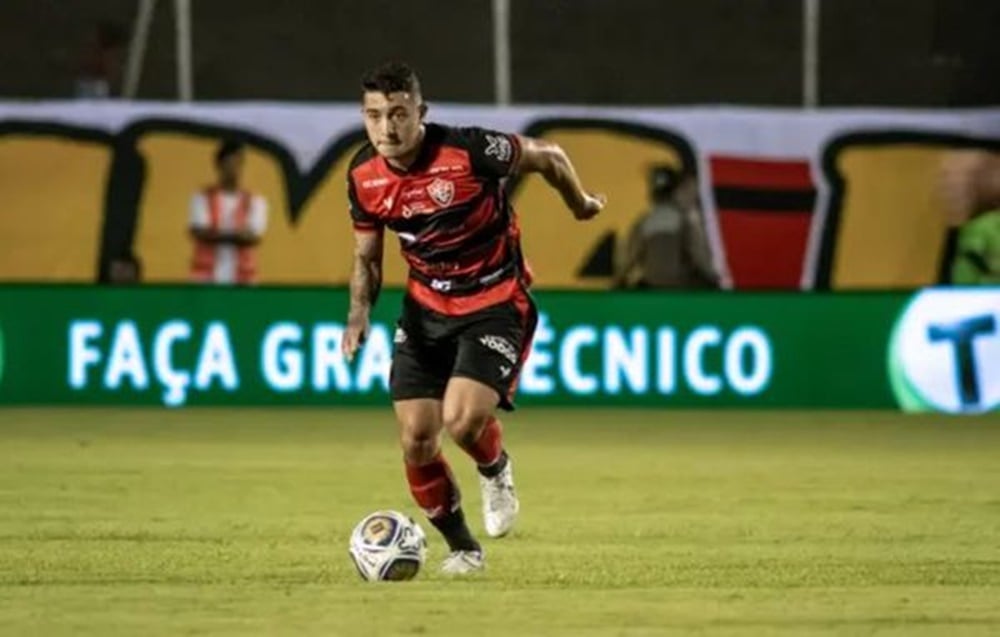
column 388, row 545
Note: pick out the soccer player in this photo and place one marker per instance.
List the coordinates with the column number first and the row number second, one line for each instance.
column 467, row 319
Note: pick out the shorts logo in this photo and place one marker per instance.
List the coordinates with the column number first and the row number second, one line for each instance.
column 441, row 191
column 400, row 336
column 501, row 346
column 505, row 371
column 499, row 147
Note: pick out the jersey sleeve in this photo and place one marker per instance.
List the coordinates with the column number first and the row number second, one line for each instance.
column 198, row 216
column 494, row 155
column 258, row 216
column 363, row 220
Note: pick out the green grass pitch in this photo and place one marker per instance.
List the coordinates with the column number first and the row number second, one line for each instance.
column 235, row 522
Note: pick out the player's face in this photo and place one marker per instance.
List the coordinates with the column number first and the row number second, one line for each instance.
column 393, row 122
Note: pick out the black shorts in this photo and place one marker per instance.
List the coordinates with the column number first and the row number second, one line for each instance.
column 489, row 346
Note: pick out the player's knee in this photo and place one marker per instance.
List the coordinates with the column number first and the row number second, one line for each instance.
column 419, row 440
column 419, row 446
column 419, row 432
column 464, row 424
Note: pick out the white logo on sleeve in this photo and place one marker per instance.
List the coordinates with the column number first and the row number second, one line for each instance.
column 499, row 146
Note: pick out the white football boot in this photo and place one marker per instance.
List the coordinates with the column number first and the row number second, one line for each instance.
column 463, row 563
column 500, row 505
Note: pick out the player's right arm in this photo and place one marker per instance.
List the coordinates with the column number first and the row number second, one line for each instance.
column 366, row 272
column 551, row 162
column 366, row 282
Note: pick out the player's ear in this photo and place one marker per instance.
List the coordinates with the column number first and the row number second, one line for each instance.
column 423, row 110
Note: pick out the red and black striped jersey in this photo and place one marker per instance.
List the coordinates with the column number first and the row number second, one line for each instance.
column 456, row 227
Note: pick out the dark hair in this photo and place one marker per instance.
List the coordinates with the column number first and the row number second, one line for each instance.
column 227, row 148
column 391, row 77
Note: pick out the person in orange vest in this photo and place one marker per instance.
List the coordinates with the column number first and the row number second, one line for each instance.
column 227, row 223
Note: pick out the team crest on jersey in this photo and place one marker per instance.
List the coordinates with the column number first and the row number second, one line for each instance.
column 441, row 191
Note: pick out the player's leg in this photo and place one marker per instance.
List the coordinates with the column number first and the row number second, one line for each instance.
column 431, row 481
column 490, row 354
column 418, row 380
column 469, row 417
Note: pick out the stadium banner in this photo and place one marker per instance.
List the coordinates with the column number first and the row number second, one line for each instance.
column 176, row 346
column 837, row 198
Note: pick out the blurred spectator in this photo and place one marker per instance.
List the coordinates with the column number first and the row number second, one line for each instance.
column 970, row 183
column 667, row 247
column 977, row 255
column 99, row 75
column 125, row 270
column 227, row 223
column 970, row 188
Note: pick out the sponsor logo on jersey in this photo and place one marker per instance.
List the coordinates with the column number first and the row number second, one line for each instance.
column 374, row 183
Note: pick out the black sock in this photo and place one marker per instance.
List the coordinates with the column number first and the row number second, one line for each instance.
column 493, row 470
column 455, row 531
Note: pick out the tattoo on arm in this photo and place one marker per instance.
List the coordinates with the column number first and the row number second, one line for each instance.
column 366, row 275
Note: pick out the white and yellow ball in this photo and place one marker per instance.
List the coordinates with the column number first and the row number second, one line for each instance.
column 388, row 546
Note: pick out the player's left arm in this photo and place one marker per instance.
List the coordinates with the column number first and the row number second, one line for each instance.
column 498, row 155
column 550, row 161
